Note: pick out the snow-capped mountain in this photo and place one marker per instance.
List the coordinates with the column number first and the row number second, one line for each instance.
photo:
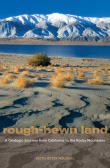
column 55, row 26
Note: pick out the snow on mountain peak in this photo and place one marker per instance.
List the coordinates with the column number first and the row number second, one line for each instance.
column 55, row 25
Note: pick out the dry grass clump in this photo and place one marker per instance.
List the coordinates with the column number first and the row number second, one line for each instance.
column 96, row 72
column 74, row 69
column 105, row 71
column 1, row 70
column 23, row 82
column 43, row 75
column 5, row 67
column 4, row 81
column 7, row 78
column 26, row 73
column 34, row 75
column 50, row 68
column 68, row 84
column 80, row 75
column 40, row 68
column 96, row 81
column 58, row 70
column 57, row 80
column 69, row 76
column 61, row 69
column 45, row 68
column 71, row 69
column 29, row 74
column 17, row 69
column 28, row 67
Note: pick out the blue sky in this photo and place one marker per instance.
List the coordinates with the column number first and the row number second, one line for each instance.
column 98, row 8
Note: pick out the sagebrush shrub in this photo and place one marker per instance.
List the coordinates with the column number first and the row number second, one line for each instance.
column 23, row 82
column 39, row 60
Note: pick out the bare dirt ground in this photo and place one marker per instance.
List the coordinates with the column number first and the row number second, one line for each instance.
column 78, row 103
column 50, row 42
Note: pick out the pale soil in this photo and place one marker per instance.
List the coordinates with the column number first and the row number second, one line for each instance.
column 72, row 106
column 47, row 42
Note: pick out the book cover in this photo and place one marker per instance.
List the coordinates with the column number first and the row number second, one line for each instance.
column 54, row 84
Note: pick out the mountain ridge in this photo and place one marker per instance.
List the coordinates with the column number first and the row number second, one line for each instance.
column 55, row 26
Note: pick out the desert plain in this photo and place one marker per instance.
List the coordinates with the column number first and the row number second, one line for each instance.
column 70, row 92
